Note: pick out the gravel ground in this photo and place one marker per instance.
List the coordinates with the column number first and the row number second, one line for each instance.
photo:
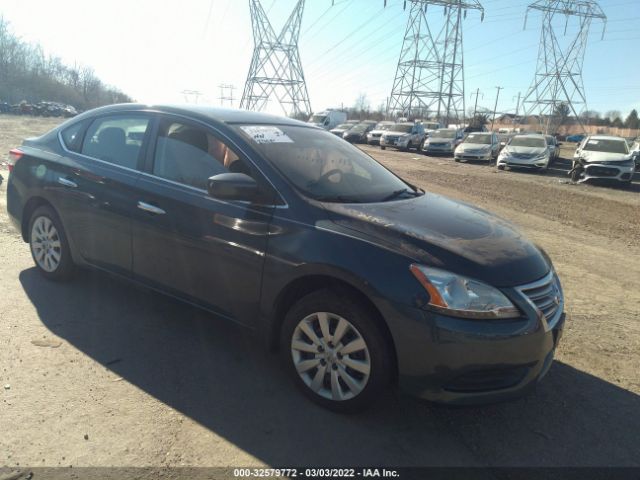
column 98, row 373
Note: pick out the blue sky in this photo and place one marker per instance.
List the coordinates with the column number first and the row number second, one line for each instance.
column 154, row 50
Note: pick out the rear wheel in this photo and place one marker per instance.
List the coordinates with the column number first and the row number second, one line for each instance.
column 49, row 245
column 335, row 351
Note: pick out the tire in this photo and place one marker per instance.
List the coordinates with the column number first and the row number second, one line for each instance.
column 576, row 174
column 408, row 147
column 358, row 388
column 383, row 148
column 500, row 167
column 456, row 159
column 46, row 234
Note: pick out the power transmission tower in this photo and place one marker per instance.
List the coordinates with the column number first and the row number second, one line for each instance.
column 275, row 68
column 430, row 73
column 191, row 96
column 558, row 80
column 228, row 96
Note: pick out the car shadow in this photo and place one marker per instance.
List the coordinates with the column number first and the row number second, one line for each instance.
column 220, row 376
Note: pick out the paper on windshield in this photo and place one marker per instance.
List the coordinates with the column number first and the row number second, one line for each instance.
column 592, row 142
column 266, row 134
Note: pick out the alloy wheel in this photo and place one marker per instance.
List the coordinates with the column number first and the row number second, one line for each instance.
column 331, row 356
column 45, row 244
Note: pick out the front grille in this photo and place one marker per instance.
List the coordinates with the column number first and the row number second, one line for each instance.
column 546, row 296
column 602, row 171
column 376, row 135
column 437, row 144
column 525, row 156
column 391, row 139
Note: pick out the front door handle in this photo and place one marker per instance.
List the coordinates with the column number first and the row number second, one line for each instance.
column 150, row 208
column 67, row 183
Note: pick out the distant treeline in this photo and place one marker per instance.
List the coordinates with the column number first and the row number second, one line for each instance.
column 26, row 73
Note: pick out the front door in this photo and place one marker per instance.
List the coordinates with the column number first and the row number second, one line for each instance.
column 188, row 243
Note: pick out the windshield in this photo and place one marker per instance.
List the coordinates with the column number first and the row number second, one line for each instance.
column 360, row 127
column 444, row 134
column 324, row 167
column 478, row 138
column 432, row 126
column 533, row 142
column 384, row 126
column 402, row 128
column 317, row 119
column 608, row 146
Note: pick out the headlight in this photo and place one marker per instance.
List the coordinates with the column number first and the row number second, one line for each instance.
column 459, row 296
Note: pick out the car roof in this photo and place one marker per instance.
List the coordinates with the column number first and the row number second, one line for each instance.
column 530, row 135
column 606, row 137
column 224, row 115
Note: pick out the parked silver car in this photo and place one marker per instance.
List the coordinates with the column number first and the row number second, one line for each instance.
column 373, row 137
column 403, row 136
column 443, row 141
column 478, row 146
column 525, row 151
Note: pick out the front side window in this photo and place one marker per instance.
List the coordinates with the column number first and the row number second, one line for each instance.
column 116, row 139
column 322, row 166
column 189, row 155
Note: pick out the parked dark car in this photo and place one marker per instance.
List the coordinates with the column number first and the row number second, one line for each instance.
column 358, row 277
column 358, row 134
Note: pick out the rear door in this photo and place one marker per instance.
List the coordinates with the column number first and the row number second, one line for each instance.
column 187, row 243
column 96, row 188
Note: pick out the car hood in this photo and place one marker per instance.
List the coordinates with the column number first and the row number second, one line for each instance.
column 525, row 150
column 379, row 131
column 595, row 157
column 441, row 139
column 444, row 233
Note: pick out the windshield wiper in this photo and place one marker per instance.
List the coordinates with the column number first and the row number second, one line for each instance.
column 397, row 193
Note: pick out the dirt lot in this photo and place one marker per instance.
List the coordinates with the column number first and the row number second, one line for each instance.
column 97, row 373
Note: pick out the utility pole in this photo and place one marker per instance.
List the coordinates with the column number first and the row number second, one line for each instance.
column 558, row 78
column 276, row 68
column 495, row 107
column 229, row 96
column 475, row 108
column 430, row 72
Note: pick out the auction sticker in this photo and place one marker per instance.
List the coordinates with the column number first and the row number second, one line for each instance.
column 266, row 134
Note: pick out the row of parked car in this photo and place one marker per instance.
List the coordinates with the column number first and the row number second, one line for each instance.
column 41, row 109
column 597, row 156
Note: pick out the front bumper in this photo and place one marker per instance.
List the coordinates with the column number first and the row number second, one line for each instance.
column 438, row 149
column 609, row 172
column 372, row 140
column 461, row 361
column 400, row 143
column 473, row 156
column 533, row 164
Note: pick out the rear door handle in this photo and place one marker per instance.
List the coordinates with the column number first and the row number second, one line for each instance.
column 150, row 208
column 67, row 183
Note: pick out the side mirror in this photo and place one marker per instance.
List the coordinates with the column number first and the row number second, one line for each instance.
column 232, row 186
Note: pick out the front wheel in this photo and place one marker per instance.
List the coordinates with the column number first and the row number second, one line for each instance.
column 335, row 351
column 383, row 148
column 49, row 245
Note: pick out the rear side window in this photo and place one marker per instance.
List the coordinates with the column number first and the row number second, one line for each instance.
column 116, row 139
column 71, row 136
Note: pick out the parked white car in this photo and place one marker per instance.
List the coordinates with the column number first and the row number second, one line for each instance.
column 373, row 137
column 403, row 136
column 478, row 146
column 603, row 156
column 525, row 151
column 443, row 141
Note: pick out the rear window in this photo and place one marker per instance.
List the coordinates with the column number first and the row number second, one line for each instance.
column 71, row 136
